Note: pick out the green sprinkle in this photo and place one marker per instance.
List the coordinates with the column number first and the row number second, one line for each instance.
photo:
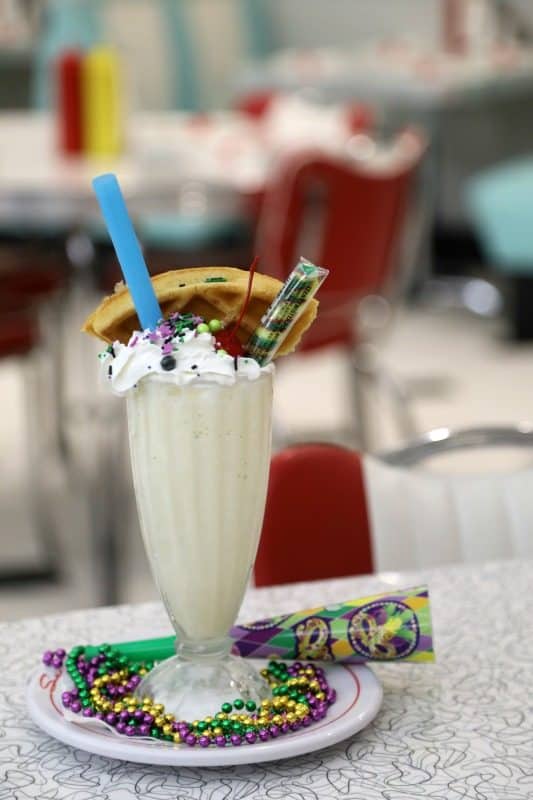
column 216, row 280
column 250, row 705
column 226, row 708
column 238, row 704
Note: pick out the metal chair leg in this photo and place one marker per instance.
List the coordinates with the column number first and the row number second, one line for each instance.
column 106, row 498
column 366, row 371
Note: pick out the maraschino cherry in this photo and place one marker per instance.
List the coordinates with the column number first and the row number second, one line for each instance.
column 227, row 339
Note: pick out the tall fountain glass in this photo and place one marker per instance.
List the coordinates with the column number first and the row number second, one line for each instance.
column 200, row 456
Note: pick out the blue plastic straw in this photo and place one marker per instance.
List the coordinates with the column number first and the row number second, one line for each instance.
column 128, row 250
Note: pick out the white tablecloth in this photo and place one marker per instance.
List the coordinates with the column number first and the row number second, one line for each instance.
column 461, row 728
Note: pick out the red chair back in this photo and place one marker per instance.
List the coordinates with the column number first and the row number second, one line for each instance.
column 342, row 215
column 316, row 523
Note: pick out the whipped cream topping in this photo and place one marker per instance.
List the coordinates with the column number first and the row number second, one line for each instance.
column 181, row 356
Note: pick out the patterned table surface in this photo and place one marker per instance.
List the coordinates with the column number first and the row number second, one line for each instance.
column 459, row 729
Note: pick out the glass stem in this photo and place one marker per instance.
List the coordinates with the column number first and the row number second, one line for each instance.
column 203, row 650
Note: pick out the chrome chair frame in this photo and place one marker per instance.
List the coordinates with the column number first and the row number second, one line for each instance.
column 444, row 440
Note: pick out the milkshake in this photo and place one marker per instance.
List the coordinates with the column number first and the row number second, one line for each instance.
column 200, row 455
column 199, row 425
column 198, row 384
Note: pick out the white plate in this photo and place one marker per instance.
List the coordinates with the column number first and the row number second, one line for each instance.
column 359, row 697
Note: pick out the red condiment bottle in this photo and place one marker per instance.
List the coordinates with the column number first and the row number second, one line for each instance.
column 69, row 101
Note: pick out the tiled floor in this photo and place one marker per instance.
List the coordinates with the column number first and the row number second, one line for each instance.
column 459, row 371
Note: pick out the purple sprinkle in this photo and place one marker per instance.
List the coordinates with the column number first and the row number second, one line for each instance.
column 124, row 715
column 56, row 661
column 190, row 740
column 235, row 739
column 220, row 741
column 111, row 718
column 100, row 715
column 331, row 696
column 144, row 730
column 204, row 741
column 148, row 719
column 88, row 712
column 264, row 735
column 75, row 706
column 250, row 737
column 131, row 730
column 295, row 725
column 61, row 653
column 285, row 727
column 274, row 731
column 138, row 714
column 47, row 658
column 306, row 721
column 121, row 727
column 166, row 349
column 66, row 699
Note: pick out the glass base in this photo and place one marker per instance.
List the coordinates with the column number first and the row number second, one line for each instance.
column 191, row 689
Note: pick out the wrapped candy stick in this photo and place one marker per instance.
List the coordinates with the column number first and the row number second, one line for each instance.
column 299, row 288
column 394, row 626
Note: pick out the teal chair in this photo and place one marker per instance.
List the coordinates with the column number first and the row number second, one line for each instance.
column 500, row 204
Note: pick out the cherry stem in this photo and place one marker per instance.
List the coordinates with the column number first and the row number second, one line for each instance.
column 251, row 274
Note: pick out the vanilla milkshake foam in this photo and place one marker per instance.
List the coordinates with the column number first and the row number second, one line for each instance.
column 200, row 456
column 199, row 425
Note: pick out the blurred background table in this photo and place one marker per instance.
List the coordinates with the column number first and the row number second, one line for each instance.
column 467, row 103
column 39, row 187
column 459, row 728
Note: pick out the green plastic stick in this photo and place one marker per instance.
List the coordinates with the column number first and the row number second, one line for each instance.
column 143, row 650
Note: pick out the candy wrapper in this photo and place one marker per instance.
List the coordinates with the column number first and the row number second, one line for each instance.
column 394, row 626
column 297, row 291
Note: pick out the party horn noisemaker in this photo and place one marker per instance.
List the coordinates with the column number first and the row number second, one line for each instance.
column 299, row 288
column 128, row 249
column 394, row 626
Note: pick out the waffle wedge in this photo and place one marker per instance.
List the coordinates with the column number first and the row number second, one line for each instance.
column 197, row 290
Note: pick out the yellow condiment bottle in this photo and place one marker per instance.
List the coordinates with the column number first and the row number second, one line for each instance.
column 102, row 103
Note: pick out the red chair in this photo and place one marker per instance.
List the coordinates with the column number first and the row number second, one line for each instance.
column 348, row 215
column 316, row 523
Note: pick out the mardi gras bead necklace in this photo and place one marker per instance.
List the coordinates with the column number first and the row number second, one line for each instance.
column 104, row 686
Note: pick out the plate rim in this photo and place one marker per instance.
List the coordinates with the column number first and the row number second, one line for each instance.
column 351, row 721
